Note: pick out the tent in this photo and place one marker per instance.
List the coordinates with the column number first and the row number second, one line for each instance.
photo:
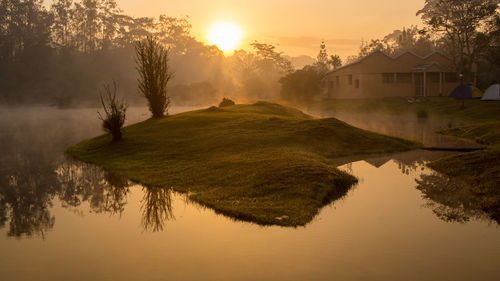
column 493, row 93
column 462, row 92
column 476, row 93
column 466, row 91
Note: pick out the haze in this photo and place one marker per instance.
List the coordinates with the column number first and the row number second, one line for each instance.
column 298, row 27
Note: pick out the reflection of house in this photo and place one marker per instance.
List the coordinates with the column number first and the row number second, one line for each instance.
column 379, row 75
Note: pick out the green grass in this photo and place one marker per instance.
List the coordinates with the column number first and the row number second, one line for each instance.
column 483, row 133
column 264, row 162
column 479, row 169
column 443, row 107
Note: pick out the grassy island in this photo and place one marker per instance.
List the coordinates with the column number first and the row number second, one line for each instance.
column 263, row 162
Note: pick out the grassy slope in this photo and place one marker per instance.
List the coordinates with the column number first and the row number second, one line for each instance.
column 444, row 107
column 480, row 169
column 252, row 162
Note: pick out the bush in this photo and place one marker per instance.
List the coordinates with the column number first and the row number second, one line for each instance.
column 154, row 75
column 114, row 111
column 226, row 102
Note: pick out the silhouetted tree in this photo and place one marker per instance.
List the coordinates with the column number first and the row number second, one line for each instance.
column 114, row 111
column 301, row 86
column 61, row 28
column 272, row 58
column 335, row 61
column 322, row 59
column 461, row 24
column 154, row 75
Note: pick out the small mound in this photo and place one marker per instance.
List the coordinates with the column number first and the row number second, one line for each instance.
column 214, row 109
column 255, row 162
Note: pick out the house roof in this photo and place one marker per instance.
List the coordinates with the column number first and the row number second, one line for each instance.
column 392, row 58
column 429, row 66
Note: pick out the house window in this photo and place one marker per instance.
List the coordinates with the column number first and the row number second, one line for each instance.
column 349, row 79
column 388, row 78
column 451, row 77
column 331, row 84
column 337, row 80
column 403, row 78
column 356, row 83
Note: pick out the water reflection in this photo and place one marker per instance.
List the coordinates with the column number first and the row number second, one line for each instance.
column 79, row 182
column 35, row 174
column 450, row 200
column 26, row 201
column 156, row 208
column 406, row 126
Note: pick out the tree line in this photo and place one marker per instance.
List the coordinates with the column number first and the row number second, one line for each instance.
column 62, row 53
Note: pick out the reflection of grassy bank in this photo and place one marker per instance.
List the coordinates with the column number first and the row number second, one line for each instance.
column 442, row 107
column 480, row 169
column 262, row 162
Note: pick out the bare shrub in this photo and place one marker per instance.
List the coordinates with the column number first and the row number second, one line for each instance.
column 114, row 111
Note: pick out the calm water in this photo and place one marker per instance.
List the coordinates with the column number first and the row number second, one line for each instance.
column 64, row 220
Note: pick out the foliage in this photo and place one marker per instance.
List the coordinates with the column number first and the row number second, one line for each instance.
column 154, row 75
column 271, row 57
column 301, row 86
column 226, row 102
column 64, row 51
column 322, row 59
column 397, row 42
column 460, row 24
column 114, row 111
column 335, row 61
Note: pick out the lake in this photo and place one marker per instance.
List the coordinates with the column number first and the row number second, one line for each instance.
column 61, row 219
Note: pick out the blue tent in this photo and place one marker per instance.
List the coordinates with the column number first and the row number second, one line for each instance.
column 462, row 92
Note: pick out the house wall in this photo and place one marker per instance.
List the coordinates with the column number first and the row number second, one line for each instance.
column 381, row 76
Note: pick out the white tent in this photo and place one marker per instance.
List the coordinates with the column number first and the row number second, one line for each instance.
column 493, row 93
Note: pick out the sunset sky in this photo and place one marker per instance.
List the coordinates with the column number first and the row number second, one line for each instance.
column 297, row 26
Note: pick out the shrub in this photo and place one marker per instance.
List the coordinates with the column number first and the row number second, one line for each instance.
column 226, row 102
column 114, row 111
column 154, row 75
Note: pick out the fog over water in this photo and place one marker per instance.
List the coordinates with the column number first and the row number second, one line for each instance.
column 62, row 219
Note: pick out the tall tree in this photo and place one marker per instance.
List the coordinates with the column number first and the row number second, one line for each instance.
column 461, row 25
column 154, row 74
column 108, row 13
column 271, row 57
column 322, row 58
column 61, row 29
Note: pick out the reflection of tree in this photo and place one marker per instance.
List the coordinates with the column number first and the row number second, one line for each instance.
column 79, row 182
column 27, row 187
column 450, row 200
column 30, row 184
column 156, row 208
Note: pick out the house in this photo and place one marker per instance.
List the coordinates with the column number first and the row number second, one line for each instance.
column 379, row 75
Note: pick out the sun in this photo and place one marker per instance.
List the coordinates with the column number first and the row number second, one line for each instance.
column 226, row 36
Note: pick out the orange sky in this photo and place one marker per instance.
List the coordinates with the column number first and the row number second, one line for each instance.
column 297, row 26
